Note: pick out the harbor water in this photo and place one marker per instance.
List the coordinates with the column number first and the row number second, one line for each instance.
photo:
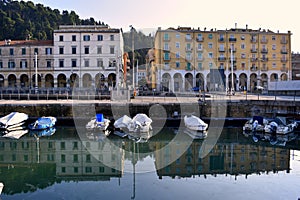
column 75, row 164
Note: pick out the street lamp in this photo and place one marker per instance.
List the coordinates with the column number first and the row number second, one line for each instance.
column 36, row 73
column 132, row 47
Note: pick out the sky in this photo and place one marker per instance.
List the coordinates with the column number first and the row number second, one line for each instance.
column 149, row 15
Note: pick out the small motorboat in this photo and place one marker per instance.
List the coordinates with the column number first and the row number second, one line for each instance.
column 42, row 123
column 43, row 133
column 257, row 123
column 1, row 187
column 140, row 123
column 123, row 122
column 280, row 125
column 195, row 123
column 99, row 123
column 13, row 121
column 15, row 134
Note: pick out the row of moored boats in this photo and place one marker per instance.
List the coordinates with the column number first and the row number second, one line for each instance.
column 278, row 125
column 14, row 125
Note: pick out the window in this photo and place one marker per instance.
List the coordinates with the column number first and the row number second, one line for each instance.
column 1, row 64
column 210, row 65
column 88, row 169
column 112, row 50
column 177, row 64
column 75, row 169
column 210, row 55
column 274, row 65
column 23, row 51
column 112, row 37
column 73, row 38
column 166, row 56
column 11, row 64
column 86, row 38
column 188, row 56
column 177, row 45
column 86, row 63
column 199, row 56
column 61, row 38
column 177, row 54
column 243, row 46
column 166, row 36
column 210, row 36
column 63, row 158
column 243, row 55
column 221, row 37
column 210, row 45
column 73, row 49
column 100, row 37
column 99, row 63
column 23, row 64
column 61, row 50
column 75, row 145
column 36, row 50
column 49, row 64
column 101, row 169
column 273, row 46
column 11, row 52
column 99, row 50
column 242, row 37
column 273, row 37
column 199, row 46
column 188, row 47
column 75, row 158
column 188, row 36
column 188, row 66
column 86, row 49
column 61, row 63
column 48, row 51
column 177, row 35
column 63, row 169
column 74, row 62
column 274, row 55
column 243, row 65
column 0, row 51
column 166, row 46
column 200, row 66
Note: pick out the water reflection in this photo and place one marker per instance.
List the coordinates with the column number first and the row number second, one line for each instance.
column 29, row 164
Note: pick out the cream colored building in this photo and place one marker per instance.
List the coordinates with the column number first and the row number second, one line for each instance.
column 17, row 63
column 185, row 58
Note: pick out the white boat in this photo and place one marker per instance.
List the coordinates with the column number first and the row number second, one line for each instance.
column 195, row 123
column 195, row 134
column 1, row 187
column 98, row 123
column 13, row 120
column 141, row 123
column 257, row 123
column 15, row 134
column 281, row 126
column 122, row 122
column 43, row 123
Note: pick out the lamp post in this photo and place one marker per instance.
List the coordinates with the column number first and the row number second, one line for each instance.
column 36, row 73
column 132, row 47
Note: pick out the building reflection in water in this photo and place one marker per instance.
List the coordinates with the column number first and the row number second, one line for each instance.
column 28, row 164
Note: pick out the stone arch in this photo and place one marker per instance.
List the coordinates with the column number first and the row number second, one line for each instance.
column 24, row 81
column 284, row 77
column 166, row 82
column 61, row 81
column 177, row 82
column 1, row 80
column 100, row 81
column 243, row 81
column 188, row 81
column 39, row 80
column 87, row 81
column 74, row 80
column 264, row 80
column 111, row 80
column 49, row 81
column 12, row 80
column 253, row 81
column 234, row 85
column 274, row 77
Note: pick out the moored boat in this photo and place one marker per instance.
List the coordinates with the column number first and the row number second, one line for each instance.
column 17, row 134
column 280, row 125
column 195, row 123
column 13, row 121
column 42, row 123
column 1, row 187
column 257, row 123
column 99, row 123
column 43, row 133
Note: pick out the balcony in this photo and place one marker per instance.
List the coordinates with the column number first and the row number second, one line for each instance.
column 264, row 59
column 284, row 60
column 188, row 39
column 253, row 68
column 265, row 68
column 221, row 59
column 253, row 59
column 199, row 49
column 188, row 49
column 284, row 51
column 221, row 40
column 264, row 41
column 200, row 39
column 232, row 39
column 167, row 58
column 253, row 40
column 283, row 41
column 167, row 49
column 264, row 50
column 284, row 69
column 234, row 49
column 221, row 49
column 253, row 50
column 167, row 39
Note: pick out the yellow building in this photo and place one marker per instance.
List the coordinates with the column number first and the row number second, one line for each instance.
column 186, row 57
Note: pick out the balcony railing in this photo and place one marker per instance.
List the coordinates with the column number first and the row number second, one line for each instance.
column 232, row 39
column 253, row 68
column 221, row 59
column 167, row 38
column 221, row 39
column 167, row 49
column 264, row 50
column 284, row 60
column 283, row 69
column 264, row 59
column 200, row 39
column 284, row 51
column 188, row 49
column 253, row 59
column 253, row 50
column 221, row 49
column 234, row 49
column 264, row 41
column 253, row 40
column 167, row 57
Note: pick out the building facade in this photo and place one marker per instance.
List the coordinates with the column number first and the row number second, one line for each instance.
column 18, row 63
column 186, row 57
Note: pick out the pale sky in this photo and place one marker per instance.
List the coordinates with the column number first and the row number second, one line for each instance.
column 266, row 14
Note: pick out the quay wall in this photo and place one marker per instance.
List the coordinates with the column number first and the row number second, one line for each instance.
column 207, row 109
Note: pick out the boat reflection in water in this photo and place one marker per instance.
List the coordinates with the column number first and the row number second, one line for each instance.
column 69, row 157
